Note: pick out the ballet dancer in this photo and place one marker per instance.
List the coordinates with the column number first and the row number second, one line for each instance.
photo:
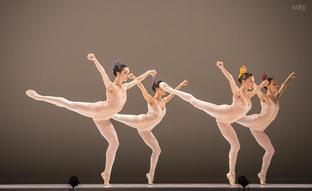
column 226, row 114
column 259, row 122
column 145, row 123
column 102, row 111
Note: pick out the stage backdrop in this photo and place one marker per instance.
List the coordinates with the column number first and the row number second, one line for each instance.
column 44, row 44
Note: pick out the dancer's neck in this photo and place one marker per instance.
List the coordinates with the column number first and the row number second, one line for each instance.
column 243, row 89
column 269, row 93
column 157, row 97
column 118, row 82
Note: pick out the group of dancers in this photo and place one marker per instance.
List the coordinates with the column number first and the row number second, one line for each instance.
column 268, row 92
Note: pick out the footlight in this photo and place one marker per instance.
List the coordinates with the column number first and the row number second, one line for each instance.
column 73, row 181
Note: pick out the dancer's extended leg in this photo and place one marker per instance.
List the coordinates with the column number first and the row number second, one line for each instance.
column 264, row 141
column 248, row 120
column 108, row 132
column 230, row 135
column 131, row 120
column 210, row 108
column 83, row 108
column 149, row 139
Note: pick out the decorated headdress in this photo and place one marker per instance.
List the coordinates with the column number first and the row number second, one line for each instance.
column 242, row 70
column 264, row 77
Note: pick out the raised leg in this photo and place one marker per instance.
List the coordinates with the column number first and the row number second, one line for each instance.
column 83, row 108
column 210, row 108
column 133, row 121
column 151, row 141
column 264, row 141
column 108, row 132
column 230, row 135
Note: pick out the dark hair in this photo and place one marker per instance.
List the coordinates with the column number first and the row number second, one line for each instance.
column 155, row 85
column 244, row 76
column 265, row 77
column 118, row 67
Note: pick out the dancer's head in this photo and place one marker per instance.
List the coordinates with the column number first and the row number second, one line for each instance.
column 155, row 87
column 121, row 71
column 272, row 86
column 245, row 79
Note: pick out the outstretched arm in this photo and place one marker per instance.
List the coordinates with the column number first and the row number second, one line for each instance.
column 148, row 98
column 140, row 78
column 261, row 96
column 168, row 98
column 234, row 88
column 284, row 85
column 257, row 89
column 106, row 80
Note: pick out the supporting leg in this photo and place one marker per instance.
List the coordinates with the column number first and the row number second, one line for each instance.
column 264, row 141
column 230, row 135
column 151, row 141
column 108, row 132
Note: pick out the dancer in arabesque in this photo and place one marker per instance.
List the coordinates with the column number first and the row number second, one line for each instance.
column 102, row 111
column 226, row 114
column 257, row 123
column 145, row 123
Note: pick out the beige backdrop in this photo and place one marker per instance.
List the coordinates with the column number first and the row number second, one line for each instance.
column 43, row 46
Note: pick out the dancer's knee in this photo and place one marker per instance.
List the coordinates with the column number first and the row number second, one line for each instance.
column 113, row 144
column 66, row 103
column 270, row 150
column 157, row 151
column 235, row 147
column 193, row 100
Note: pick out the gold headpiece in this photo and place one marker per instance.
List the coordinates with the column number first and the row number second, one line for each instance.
column 242, row 70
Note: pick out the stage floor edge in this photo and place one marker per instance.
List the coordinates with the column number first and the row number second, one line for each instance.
column 128, row 186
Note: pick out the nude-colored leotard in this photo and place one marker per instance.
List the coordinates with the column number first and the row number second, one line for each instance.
column 259, row 122
column 146, row 121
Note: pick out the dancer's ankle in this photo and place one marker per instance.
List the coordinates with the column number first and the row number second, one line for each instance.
column 262, row 177
column 231, row 178
column 106, row 177
column 150, row 178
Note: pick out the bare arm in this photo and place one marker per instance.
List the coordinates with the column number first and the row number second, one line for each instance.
column 284, row 85
column 257, row 89
column 106, row 80
column 260, row 94
column 140, row 78
column 148, row 98
column 170, row 96
column 234, row 88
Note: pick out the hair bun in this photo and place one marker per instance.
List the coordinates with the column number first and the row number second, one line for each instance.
column 154, row 79
column 242, row 70
column 264, row 77
column 116, row 62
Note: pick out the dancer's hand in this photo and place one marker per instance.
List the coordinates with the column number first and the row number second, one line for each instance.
column 91, row 57
column 292, row 75
column 265, row 83
column 220, row 64
column 131, row 76
column 153, row 73
column 185, row 83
